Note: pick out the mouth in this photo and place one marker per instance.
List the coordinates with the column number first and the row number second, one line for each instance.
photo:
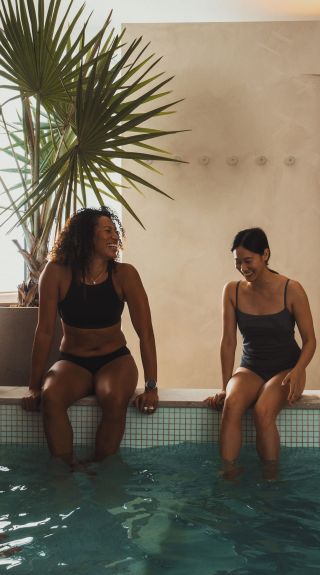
column 112, row 246
column 248, row 274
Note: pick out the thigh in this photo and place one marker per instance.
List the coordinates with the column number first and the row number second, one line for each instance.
column 273, row 395
column 67, row 382
column 243, row 389
column 117, row 379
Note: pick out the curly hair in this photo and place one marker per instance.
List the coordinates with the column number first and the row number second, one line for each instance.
column 74, row 246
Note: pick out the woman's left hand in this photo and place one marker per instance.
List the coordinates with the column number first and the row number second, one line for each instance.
column 147, row 402
column 296, row 380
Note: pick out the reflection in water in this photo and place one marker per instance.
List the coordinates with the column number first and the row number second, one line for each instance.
column 161, row 511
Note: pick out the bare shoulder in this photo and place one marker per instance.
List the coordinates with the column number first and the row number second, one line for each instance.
column 229, row 291
column 54, row 270
column 129, row 282
column 230, row 287
column 295, row 288
column 296, row 294
column 126, row 272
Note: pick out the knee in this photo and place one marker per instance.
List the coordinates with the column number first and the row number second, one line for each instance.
column 50, row 399
column 112, row 404
column 232, row 407
column 263, row 415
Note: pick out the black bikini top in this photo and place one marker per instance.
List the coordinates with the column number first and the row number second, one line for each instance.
column 91, row 306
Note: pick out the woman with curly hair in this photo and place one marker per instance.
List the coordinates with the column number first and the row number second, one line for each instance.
column 88, row 287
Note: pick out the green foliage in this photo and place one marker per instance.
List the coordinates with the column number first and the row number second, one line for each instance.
column 85, row 106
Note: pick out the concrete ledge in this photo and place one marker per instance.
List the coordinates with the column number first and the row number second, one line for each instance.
column 168, row 397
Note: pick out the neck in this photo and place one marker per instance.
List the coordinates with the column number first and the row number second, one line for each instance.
column 96, row 271
column 263, row 280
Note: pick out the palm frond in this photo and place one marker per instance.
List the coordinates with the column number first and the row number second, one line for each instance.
column 86, row 105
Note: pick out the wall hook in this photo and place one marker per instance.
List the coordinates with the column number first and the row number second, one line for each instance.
column 204, row 160
column 290, row 160
column 232, row 160
column 261, row 160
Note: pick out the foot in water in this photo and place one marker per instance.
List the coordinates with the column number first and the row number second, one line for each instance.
column 270, row 470
column 82, row 467
column 231, row 471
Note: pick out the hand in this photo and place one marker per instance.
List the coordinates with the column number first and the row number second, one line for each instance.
column 296, row 381
column 216, row 401
column 147, row 402
column 31, row 401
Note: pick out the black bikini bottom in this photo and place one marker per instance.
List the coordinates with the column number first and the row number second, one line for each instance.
column 95, row 362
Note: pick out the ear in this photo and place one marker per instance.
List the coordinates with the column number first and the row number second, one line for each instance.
column 266, row 255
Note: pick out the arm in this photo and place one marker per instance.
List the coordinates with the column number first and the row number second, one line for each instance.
column 229, row 334
column 48, row 301
column 301, row 311
column 228, row 344
column 137, row 300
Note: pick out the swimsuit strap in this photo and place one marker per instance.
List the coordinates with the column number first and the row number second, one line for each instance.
column 237, row 291
column 109, row 270
column 285, row 293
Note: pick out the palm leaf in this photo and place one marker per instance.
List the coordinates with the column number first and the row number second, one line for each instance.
column 86, row 105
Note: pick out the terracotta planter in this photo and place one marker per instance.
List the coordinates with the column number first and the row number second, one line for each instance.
column 17, row 327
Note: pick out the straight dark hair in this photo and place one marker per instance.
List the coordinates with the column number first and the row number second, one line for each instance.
column 253, row 239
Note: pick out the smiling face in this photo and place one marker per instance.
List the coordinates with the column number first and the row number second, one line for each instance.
column 106, row 238
column 250, row 264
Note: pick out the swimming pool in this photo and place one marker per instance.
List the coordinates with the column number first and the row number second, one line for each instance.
column 160, row 511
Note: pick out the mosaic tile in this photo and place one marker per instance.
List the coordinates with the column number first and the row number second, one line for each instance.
column 168, row 426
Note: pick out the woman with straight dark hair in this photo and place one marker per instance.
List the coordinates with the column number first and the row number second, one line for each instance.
column 265, row 305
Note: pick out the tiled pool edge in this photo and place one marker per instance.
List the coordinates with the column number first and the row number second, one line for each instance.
column 182, row 417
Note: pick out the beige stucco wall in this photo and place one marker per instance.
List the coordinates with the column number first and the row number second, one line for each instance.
column 248, row 92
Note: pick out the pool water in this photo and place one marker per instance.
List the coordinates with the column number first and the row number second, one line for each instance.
column 160, row 511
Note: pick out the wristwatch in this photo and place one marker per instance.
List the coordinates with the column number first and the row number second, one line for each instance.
column 151, row 385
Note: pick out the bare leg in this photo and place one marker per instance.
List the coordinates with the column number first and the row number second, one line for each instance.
column 242, row 391
column 271, row 400
column 114, row 386
column 65, row 383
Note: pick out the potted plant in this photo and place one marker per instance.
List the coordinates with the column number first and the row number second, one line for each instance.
column 84, row 104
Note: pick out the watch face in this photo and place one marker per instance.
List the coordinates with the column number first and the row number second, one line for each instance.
column 151, row 384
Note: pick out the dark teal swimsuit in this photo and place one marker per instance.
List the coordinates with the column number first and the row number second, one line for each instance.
column 269, row 346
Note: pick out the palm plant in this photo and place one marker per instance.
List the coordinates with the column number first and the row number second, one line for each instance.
column 84, row 106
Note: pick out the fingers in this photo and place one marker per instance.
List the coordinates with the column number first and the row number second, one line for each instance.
column 295, row 391
column 30, row 403
column 293, row 397
column 216, row 401
column 211, row 401
column 294, row 394
column 25, row 403
column 148, row 409
column 145, row 404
